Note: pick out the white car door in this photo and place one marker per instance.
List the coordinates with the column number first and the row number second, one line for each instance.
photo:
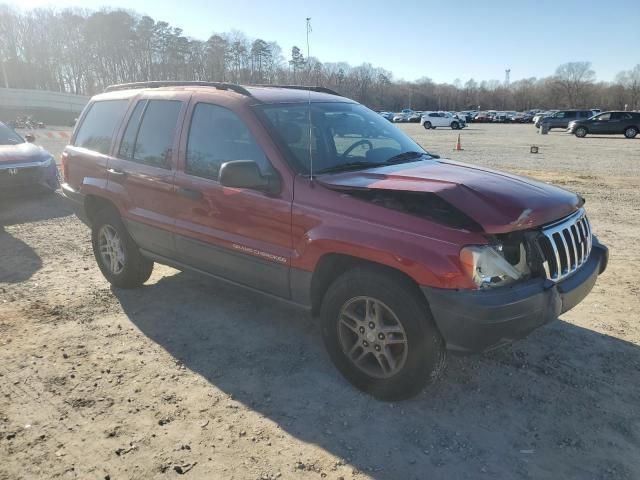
column 442, row 120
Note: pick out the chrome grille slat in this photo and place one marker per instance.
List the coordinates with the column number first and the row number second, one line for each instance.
column 572, row 234
column 582, row 234
column 570, row 242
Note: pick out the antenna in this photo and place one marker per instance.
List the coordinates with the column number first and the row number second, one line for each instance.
column 507, row 77
column 309, row 109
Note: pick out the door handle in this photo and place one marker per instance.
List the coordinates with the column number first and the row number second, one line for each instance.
column 190, row 193
column 116, row 171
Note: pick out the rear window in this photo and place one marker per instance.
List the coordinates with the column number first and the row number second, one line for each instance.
column 99, row 125
column 151, row 141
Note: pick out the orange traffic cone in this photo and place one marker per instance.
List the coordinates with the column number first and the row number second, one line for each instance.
column 458, row 146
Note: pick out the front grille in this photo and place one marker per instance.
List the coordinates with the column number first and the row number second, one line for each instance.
column 566, row 245
column 22, row 176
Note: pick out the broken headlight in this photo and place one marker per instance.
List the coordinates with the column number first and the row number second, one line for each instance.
column 488, row 266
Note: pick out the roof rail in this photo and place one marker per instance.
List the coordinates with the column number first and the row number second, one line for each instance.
column 162, row 83
column 304, row 87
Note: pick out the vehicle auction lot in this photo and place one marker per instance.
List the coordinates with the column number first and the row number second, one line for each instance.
column 191, row 377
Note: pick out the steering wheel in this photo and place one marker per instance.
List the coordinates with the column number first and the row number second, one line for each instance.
column 356, row 145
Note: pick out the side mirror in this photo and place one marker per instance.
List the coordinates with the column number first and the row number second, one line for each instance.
column 246, row 174
column 30, row 137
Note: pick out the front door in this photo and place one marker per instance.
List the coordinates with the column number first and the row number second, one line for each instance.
column 141, row 174
column 600, row 124
column 238, row 234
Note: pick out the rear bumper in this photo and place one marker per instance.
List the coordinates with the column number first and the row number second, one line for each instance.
column 477, row 321
column 75, row 200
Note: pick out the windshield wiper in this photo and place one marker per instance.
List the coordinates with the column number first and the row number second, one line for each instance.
column 349, row 166
column 403, row 157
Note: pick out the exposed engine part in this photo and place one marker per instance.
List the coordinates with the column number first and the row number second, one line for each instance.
column 422, row 204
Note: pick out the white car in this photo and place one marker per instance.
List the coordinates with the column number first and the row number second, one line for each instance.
column 441, row 119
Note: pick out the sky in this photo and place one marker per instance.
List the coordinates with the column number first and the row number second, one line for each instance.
column 440, row 39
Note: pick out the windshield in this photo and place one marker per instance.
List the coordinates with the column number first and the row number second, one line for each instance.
column 8, row 136
column 343, row 136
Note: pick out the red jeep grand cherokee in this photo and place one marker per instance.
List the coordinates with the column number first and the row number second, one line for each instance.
column 310, row 197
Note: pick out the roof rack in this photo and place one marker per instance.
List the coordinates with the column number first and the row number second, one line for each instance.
column 304, row 87
column 162, row 83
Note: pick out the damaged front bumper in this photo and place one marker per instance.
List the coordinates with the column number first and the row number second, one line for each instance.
column 481, row 320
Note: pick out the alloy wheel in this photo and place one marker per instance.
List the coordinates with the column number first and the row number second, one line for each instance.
column 111, row 249
column 372, row 337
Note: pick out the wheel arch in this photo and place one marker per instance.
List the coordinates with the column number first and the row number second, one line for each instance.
column 94, row 204
column 331, row 265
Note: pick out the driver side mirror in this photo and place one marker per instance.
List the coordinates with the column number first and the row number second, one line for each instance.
column 30, row 138
column 246, row 174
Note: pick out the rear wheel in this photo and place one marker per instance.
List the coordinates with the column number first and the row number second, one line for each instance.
column 581, row 132
column 631, row 132
column 380, row 334
column 118, row 256
column 427, row 125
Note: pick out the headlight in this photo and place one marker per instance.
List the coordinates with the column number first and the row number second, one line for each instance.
column 487, row 266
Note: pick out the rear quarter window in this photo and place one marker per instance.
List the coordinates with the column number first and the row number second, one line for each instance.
column 99, row 124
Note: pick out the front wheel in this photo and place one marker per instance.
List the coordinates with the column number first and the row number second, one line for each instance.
column 427, row 125
column 380, row 335
column 631, row 132
column 581, row 132
column 455, row 125
column 116, row 253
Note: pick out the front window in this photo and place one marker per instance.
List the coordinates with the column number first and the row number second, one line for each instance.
column 8, row 136
column 338, row 136
column 217, row 135
column 605, row 117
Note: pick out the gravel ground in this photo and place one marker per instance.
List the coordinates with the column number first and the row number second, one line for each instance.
column 188, row 377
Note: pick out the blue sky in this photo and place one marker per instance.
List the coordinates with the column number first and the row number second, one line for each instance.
column 443, row 40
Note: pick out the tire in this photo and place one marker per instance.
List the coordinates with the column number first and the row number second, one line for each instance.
column 580, row 132
column 455, row 125
column 419, row 361
column 130, row 269
column 427, row 125
column 631, row 132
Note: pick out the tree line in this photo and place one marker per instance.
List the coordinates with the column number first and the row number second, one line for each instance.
column 81, row 51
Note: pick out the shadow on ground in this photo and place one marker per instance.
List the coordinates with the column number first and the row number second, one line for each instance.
column 21, row 263
column 544, row 408
column 16, row 209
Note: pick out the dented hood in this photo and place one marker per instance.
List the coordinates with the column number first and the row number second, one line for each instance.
column 497, row 201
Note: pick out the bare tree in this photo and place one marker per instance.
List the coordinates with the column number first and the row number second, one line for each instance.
column 82, row 51
column 574, row 79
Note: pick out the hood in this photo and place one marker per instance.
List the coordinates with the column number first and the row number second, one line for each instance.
column 22, row 153
column 498, row 202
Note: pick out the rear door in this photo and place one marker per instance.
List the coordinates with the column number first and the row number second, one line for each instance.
column 142, row 170
column 617, row 122
column 238, row 234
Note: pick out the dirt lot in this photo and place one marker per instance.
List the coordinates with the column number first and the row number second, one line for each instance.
column 191, row 378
